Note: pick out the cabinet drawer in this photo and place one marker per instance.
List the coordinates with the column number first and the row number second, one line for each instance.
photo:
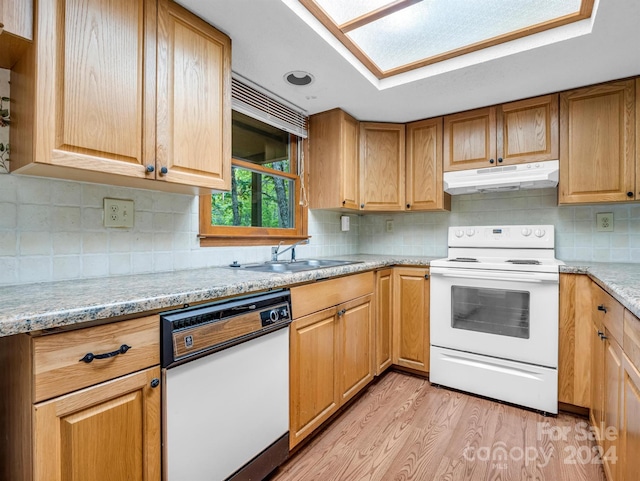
column 608, row 313
column 321, row 295
column 631, row 342
column 58, row 365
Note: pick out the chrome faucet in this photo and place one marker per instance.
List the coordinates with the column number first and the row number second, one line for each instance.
column 275, row 251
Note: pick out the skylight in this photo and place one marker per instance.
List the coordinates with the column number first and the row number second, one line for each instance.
column 391, row 37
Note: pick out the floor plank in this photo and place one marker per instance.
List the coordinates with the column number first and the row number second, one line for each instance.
column 404, row 429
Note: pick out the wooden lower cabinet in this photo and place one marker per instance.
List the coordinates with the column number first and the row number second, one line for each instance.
column 576, row 335
column 384, row 319
column 331, row 358
column 106, row 432
column 630, row 422
column 313, row 373
column 612, row 392
column 411, row 318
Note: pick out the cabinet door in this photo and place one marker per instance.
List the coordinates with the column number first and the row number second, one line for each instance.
column 350, row 181
column 384, row 317
column 194, row 100
column 334, row 177
column 110, row 431
column 528, row 130
column 355, row 324
column 597, row 378
column 424, row 189
column 613, row 375
column 630, row 434
column 575, row 338
column 96, row 85
column 313, row 378
column 382, row 166
column 470, row 139
column 597, row 143
column 411, row 318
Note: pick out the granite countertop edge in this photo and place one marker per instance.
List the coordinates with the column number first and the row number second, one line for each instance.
column 46, row 306
column 54, row 305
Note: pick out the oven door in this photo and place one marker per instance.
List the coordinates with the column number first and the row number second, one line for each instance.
column 504, row 314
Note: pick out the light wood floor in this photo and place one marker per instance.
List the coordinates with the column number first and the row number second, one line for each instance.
column 402, row 428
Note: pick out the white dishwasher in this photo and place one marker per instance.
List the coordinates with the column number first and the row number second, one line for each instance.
column 226, row 389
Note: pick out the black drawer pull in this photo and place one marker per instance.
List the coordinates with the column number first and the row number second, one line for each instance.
column 602, row 308
column 88, row 357
column 342, row 312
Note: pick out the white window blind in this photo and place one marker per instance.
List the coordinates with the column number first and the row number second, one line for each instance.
column 257, row 104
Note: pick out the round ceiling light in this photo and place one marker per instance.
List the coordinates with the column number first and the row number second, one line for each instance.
column 299, row 78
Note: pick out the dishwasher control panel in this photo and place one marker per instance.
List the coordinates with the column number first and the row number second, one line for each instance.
column 193, row 332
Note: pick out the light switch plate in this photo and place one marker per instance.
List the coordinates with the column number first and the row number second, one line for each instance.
column 118, row 213
column 604, row 222
column 344, row 223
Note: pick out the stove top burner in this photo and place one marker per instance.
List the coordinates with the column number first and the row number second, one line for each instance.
column 532, row 262
column 464, row 259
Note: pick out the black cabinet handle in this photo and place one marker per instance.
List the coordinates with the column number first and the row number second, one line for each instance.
column 491, row 161
column 163, row 170
column 629, row 194
column 88, row 357
column 362, row 206
column 155, row 382
column 602, row 308
column 344, row 202
column 426, row 276
column 150, row 168
column 603, row 337
column 341, row 312
column 499, row 160
column 600, row 334
column 408, row 206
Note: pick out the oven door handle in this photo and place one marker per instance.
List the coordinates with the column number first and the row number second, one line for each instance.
column 533, row 277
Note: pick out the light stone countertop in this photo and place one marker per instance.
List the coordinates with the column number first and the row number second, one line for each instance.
column 36, row 307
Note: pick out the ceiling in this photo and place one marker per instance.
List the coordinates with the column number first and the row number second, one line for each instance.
column 269, row 39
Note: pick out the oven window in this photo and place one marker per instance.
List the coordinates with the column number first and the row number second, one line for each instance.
column 494, row 311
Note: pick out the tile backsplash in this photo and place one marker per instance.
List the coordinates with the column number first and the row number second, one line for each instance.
column 53, row 230
column 575, row 226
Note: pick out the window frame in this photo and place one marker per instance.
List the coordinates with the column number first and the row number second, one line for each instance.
column 211, row 236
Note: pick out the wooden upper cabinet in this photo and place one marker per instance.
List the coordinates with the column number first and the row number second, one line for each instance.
column 424, row 189
column 470, row 139
column 86, row 98
column 334, row 161
column 597, row 139
column 16, row 21
column 513, row 133
column 382, row 170
column 194, row 100
column 95, row 87
column 528, row 130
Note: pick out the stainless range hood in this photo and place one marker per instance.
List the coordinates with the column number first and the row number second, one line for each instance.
column 534, row 175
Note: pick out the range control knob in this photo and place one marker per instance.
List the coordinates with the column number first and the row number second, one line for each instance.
column 470, row 232
column 526, row 232
column 540, row 232
column 459, row 233
column 274, row 315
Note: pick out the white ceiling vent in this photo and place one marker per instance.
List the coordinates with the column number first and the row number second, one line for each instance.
column 257, row 104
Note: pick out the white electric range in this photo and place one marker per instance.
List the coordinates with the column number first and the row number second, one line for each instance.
column 494, row 314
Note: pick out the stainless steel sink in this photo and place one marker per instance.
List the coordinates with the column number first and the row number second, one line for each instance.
column 297, row 266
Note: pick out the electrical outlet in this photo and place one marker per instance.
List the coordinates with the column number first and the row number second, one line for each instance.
column 604, row 222
column 118, row 213
column 389, row 226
